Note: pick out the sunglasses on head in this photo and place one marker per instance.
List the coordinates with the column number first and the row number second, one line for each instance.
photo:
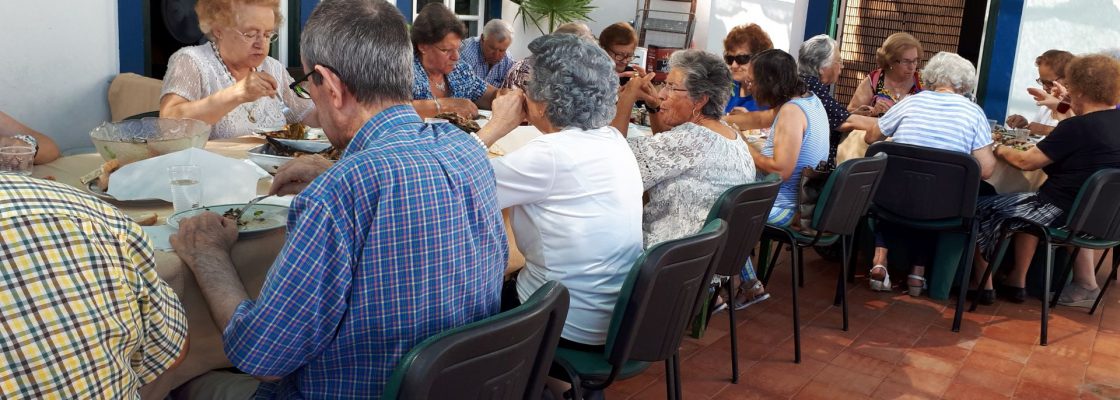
column 742, row 59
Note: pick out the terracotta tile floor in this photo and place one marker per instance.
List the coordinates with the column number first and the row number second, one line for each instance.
column 898, row 347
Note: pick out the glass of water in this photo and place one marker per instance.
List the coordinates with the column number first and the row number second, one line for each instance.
column 17, row 160
column 186, row 189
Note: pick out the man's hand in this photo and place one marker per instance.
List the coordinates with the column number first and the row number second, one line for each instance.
column 1017, row 121
column 203, row 236
column 295, row 175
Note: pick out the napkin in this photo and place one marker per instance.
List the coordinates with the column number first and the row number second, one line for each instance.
column 224, row 180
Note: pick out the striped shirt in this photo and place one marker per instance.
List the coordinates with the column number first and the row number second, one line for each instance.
column 471, row 52
column 400, row 240
column 83, row 313
column 814, row 147
column 939, row 120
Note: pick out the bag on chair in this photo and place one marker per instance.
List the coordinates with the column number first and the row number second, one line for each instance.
column 808, row 192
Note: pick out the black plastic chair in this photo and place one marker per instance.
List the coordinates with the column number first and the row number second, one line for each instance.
column 931, row 189
column 744, row 208
column 1093, row 223
column 506, row 356
column 656, row 303
column 843, row 203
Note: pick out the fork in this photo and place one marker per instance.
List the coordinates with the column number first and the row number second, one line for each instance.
column 251, row 203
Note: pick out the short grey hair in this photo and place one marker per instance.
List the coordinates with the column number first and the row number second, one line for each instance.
column 366, row 43
column 576, row 28
column 815, row 54
column 705, row 75
column 576, row 94
column 949, row 70
column 498, row 30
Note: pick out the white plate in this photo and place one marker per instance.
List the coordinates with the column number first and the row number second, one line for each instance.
column 271, row 216
column 307, row 146
column 269, row 162
column 262, row 131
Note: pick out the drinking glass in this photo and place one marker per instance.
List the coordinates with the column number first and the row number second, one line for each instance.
column 186, row 191
column 17, row 160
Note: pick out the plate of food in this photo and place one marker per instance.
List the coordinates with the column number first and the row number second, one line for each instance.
column 260, row 218
column 294, row 131
column 271, row 158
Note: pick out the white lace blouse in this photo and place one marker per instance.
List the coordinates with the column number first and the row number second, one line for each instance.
column 684, row 171
column 195, row 72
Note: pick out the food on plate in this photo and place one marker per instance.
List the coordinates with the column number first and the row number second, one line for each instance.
column 466, row 124
column 147, row 219
column 235, row 214
column 333, row 154
column 293, row 131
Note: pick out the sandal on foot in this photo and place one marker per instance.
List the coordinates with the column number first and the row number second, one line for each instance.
column 749, row 294
column 915, row 290
column 877, row 285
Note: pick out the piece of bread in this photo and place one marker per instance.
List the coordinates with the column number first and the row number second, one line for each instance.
column 147, row 219
column 106, row 169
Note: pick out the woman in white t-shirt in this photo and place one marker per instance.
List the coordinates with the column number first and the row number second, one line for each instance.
column 575, row 193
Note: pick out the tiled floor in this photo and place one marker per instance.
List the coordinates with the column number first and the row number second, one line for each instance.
column 898, row 347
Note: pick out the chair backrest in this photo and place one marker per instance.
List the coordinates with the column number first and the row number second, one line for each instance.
column 847, row 194
column 506, row 356
column 660, row 294
column 1096, row 210
column 927, row 184
column 744, row 208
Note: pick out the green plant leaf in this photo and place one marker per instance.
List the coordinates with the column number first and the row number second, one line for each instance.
column 552, row 12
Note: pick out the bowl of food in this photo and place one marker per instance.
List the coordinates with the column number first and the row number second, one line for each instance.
column 270, row 157
column 134, row 140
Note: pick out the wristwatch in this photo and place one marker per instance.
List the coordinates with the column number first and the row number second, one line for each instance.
column 29, row 139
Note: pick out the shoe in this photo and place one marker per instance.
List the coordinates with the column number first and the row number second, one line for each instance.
column 915, row 290
column 755, row 293
column 987, row 296
column 1075, row 295
column 877, row 285
column 1013, row 294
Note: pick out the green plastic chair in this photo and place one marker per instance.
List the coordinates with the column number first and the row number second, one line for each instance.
column 843, row 203
column 506, row 356
column 1093, row 223
column 655, row 304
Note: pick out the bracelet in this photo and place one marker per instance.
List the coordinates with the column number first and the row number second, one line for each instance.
column 480, row 142
column 439, row 110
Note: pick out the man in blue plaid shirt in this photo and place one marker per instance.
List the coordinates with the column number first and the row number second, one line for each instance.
column 487, row 54
column 399, row 240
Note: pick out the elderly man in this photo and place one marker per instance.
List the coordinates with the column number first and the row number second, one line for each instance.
column 82, row 312
column 486, row 54
column 399, row 240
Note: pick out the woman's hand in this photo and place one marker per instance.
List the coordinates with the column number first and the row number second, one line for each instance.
column 255, row 86
column 508, row 112
column 1017, row 121
column 880, row 108
column 1041, row 98
column 864, row 111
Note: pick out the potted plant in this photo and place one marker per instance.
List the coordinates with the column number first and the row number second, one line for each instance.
column 552, row 12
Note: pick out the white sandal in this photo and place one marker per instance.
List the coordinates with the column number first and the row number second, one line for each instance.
column 916, row 290
column 883, row 285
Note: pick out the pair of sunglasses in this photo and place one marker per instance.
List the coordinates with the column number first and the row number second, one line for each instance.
column 742, row 59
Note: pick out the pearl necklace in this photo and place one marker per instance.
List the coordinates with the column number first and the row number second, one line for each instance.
column 233, row 81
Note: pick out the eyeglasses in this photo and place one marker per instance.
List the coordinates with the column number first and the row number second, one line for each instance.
column 447, row 52
column 252, row 37
column 673, row 87
column 620, row 57
column 907, row 62
column 298, row 85
column 742, row 59
column 1044, row 82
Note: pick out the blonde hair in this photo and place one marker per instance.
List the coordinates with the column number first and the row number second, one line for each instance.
column 219, row 13
column 893, row 47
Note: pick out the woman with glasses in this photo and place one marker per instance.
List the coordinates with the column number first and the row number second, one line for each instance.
column 442, row 83
column 685, row 169
column 1051, row 69
column 896, row 77
column 231, row 83
column 742, row 42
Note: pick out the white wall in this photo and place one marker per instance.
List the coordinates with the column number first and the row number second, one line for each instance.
column 606, row 12
column 1077, row 26
column 57, row 58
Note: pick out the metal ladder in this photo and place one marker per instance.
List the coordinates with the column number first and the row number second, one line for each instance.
column 665, row 20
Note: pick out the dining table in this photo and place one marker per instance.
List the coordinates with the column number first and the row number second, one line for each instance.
column 252, row 256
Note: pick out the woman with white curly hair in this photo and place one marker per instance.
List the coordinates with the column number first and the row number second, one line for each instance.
column 941, row 117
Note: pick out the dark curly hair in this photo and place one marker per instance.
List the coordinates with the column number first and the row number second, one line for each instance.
column 775, row 78
column 750, row 35
column 434, row 22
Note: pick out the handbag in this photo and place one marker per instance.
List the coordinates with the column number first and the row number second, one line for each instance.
column 809, row 189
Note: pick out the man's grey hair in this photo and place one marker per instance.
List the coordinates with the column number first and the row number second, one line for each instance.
column 705, row 75
column 949, row 70
column 816, row 54
column 366, row 43
column 498, row 30
column 576, row 28
column 576, row 94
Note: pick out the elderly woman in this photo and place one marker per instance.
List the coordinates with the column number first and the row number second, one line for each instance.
column 685, row 169
column 442, row 83
column 522, row 70
column 940, row 117
column 1077, row 148
column 572, row 221
column 896, row 77
column 231, row 82
column 742, row 110
column 1051, row 69
column 620, row 41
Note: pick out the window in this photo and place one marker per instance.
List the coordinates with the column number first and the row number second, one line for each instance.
column 471, row 12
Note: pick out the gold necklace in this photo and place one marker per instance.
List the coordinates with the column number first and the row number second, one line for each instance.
column 232, row 81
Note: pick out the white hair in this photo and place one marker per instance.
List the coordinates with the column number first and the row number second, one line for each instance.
column 950, row 70
column 498, row 30
column 816, row 54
